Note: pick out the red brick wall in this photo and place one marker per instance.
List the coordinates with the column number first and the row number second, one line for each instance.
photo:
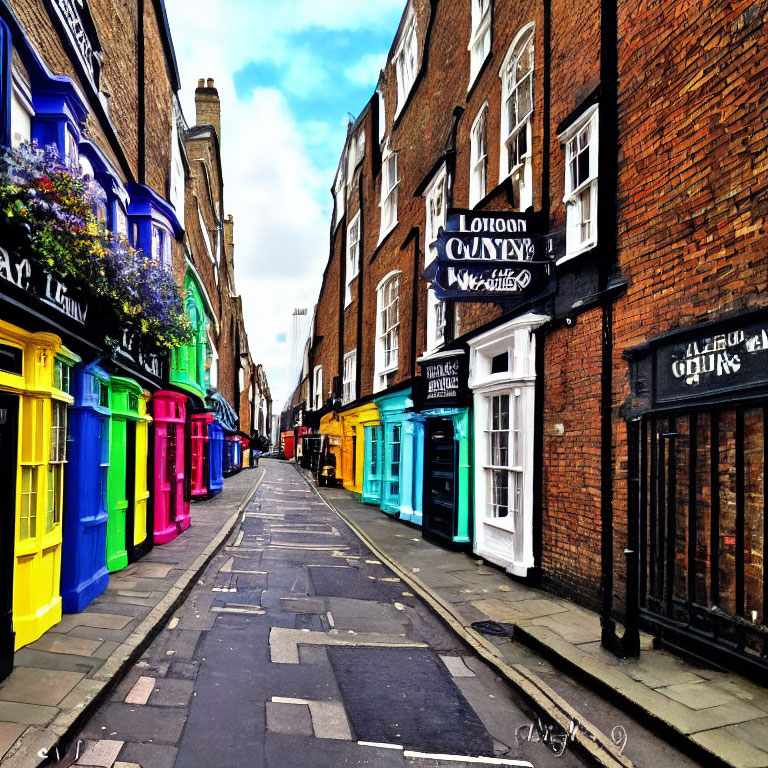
column 693, row 189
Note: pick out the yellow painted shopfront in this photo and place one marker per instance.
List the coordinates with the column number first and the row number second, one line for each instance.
column 35, row 381
column 330, row 425
column 353, row 425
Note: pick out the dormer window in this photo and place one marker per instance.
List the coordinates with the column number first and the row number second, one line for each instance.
column 406, row 60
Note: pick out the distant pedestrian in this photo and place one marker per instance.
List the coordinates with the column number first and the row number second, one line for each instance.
column 255, row 446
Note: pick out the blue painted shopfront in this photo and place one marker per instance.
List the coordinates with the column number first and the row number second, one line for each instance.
column 215, row 458
column 372, row 465
column 402, row 457
column 84, row 572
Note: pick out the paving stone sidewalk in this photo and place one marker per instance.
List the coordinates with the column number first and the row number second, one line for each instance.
column 58, row 676
column 723, row 714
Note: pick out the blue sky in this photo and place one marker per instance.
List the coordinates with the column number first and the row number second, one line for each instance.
column 289, row 75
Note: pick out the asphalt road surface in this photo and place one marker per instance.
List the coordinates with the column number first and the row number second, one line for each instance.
column 298, row 648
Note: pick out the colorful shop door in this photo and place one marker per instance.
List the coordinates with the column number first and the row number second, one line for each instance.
column 40, row 484
column 117, row 496
column 170, row 501
column 440, row 496
column 215, row 457
column 9, row 413
column 372, row 465
column 199, row 455
column 139, row 539
column 84, row 572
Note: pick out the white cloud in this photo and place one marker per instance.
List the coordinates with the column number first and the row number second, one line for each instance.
column 280, row 201
column 366, row 70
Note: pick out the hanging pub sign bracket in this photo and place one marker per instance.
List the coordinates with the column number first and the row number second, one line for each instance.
column 491, row 255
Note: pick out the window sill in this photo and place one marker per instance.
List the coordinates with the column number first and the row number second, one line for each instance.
column 474, row 81
column 574, row 254
column 383, row 237
column 388, row 370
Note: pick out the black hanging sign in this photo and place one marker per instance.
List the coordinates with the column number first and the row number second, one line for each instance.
column 492, row 255
column 152, row 363
column 31, row 278
column 444, row 380
column 715, row 362
column 721, row 362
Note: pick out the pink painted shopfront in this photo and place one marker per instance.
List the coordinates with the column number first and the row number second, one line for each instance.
column 171, row 483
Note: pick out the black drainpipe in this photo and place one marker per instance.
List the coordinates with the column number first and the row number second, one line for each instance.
column 415, row 298
column 141, row 82
column 608, row 171
column 342, row 297
column 360, row 295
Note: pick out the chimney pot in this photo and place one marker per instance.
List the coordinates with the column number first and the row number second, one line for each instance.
column 207, row 105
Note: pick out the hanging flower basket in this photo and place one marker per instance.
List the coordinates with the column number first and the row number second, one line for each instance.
column 47, row 214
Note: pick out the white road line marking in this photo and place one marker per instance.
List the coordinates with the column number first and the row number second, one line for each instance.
column 330, row 619
column 379, row 745
column 141, row 691
column 463, row 759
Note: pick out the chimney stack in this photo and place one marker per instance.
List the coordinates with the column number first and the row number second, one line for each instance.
column 207, row 105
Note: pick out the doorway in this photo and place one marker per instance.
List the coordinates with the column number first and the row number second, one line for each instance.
column 9, row 439
column 440, row 479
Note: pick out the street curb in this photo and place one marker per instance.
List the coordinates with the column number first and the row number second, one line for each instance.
column 39, row 741
column 590, row 738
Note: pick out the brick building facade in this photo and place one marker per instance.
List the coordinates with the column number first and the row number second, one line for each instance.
column 637, row 141
column 97, row 461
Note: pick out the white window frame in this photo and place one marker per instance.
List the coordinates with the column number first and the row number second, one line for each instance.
column 521, row 172
column 406, row 60
column 338, row 191
column 349, row 379
column 206, row 235
column 353, row 255
column 581, row 192
column 356, row 153
column 382, row 117
column 436, row 211
column 161, row 246
column 478, row 157
column 317, row 388
column 389, row 184
column 436, row 321
column 480, row 37
column 22, row 113
column 506, row 541
column 387, row 335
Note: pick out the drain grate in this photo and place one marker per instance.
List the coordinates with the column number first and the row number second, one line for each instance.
column 490, row 628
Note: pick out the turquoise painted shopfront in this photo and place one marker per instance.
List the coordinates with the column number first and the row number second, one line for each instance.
column 399, row 446
column 443, row 402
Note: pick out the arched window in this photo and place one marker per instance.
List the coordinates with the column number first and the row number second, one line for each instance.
column 516, row 116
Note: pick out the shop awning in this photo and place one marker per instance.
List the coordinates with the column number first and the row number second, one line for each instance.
column 225, row 413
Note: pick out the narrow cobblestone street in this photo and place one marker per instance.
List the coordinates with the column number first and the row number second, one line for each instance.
column 297, row 647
